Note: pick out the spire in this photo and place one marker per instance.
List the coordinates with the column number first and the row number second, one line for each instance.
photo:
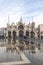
column 8, row 18
column 29, row 24
column 32, row 18
column 29, row 21
column 21, row 19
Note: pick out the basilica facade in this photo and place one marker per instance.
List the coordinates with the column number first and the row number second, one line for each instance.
column 21, row 30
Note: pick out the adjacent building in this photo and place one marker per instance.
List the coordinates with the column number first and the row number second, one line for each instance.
column 40, row 31
column 2, row 33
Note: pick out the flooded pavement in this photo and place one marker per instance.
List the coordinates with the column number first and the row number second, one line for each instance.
column 36, row 59
column 9, row 56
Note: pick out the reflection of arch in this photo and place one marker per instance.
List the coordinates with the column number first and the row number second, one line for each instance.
column 9, row 41
column 9, row 34
column 20, row 27
column 32, row 34
column 32, row 42
column 27, row 33
column 33, row 47
column 27, row 42
column 14, row 35
column 21, row 33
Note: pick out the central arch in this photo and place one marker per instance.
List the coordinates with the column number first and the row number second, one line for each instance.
column 21, row 33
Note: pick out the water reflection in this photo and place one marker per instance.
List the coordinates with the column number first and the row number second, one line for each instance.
column 11, row 45
column 7, row 55
column 10, row 54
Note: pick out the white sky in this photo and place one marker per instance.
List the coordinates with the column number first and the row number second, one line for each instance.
column 17, row 8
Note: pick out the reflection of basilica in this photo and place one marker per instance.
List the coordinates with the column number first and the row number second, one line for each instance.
column 23, row 31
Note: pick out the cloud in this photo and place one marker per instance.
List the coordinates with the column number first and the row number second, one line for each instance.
column 17, row 8
column 38, row 19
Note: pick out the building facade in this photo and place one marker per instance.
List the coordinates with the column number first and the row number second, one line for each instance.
column 21, row 30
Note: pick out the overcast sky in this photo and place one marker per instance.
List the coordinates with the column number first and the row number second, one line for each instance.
column 27, row 9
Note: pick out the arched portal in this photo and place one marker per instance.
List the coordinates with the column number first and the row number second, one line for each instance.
column 32, row 34
column 21, row 33
column 9, row 34
column 27, row 33
column 9, row 37
column 14, row 35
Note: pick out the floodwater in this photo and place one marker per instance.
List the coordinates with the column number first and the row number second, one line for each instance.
column 8, row 56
